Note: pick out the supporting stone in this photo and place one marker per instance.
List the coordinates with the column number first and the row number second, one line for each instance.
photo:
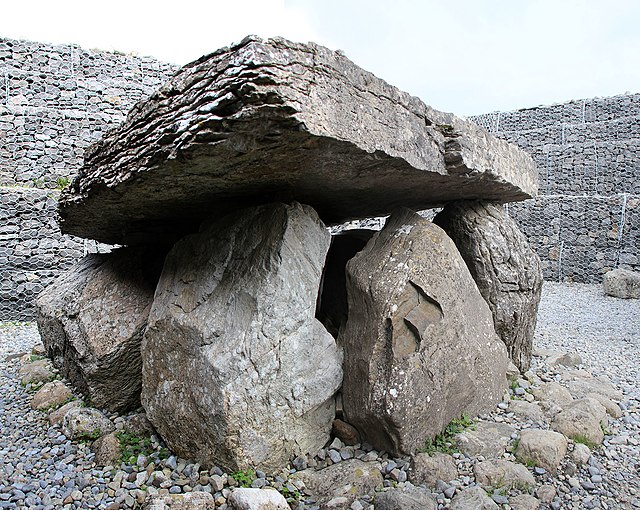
column 92, row 318
column 237, row 370
column 505, row 268
column 420, row 347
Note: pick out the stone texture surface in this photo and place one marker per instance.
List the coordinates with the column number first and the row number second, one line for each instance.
column 346, row 480
column 503, row 474
column 486, row 438
column 56, row 416
column 583, row 418
column 86, row 423
column 622, row 283
column 36, row 372
column 473, row 498
column 524, row 502
column 52, row 394
column 257, row 499
column 254, row 384
column 107, row 450
column 92, row 319
column 406, row 498
column 545, row 448
column 190, row 501
column 420, row 347
column 503, row 265
column 272, row 118
column 428, row 469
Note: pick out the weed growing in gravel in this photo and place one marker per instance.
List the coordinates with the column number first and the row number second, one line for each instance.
column 131, row 446
column 585, row 441
column 444, row 442
column 244, row 477
column 291, row 496
column 62, row 183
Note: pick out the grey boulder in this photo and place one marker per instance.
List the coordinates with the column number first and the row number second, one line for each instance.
column 505, row 268
column 237, row 371
column 622, row 283
column 91, row 321
column 405, row 498
column 420, row 346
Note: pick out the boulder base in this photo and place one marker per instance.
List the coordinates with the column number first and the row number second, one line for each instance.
column 503, row 265
column 622, row 283
column 420, row 347
column 237, row 371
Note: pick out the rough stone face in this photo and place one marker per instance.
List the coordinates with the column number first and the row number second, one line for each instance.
column 420, row 347
column 91, row 321
column 473, row 498
column 529, row 410
column 502, row 473
column 345, row 432
column 428, row 469
column 51, row 394
column 86, row 423
column 57, row 415
column 582, row 418
column 622, row 283
column 257, row 499
column 503, row 265
column 544, row 447
column 271, row 118
column 344, row 481
column 237, row 371
column 552, row 396
column 107, row 450
column 36, row 372
column 524, row 502
column 406, row 498
column 489, row 439
column 189, row 501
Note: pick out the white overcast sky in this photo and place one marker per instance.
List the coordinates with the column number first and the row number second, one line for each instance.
column 464, row 56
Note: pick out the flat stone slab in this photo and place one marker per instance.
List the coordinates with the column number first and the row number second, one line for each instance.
column 271, row 120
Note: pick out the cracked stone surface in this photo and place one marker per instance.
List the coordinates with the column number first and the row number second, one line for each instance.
column 279, row 121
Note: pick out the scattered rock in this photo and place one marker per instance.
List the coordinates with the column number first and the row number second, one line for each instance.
column 349, row 480
column 582, row 419
column 107, row 450
column 580, row 454
column 507, row 271
column 565, row 359
column 254, row 385
column 489, row 439
column 91, row 320
column 257, row 499
column 524, row 502
column 52, row 394
column 189, row 501
column 428, row 469
column 345, row 432
column 552, row 395
column 86, row 423
column 56, row 415
column 527, row 410
column 473, row 498
column 543, row 447
column 503, row 474
column 546, row 493
column 419, row 345
column 36, row 372
column 405, row 498
column 622, row 283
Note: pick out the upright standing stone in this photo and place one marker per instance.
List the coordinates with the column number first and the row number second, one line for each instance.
column 237, row 370
column 91, row 320
column 420, row 347
column 505, row 268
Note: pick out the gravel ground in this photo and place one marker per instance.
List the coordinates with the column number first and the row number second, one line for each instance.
column 41, row 469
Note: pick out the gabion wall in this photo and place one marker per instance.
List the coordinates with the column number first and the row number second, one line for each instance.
column 586, row 220
column 54, row 102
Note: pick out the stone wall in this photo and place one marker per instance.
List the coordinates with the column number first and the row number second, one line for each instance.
column 54, row 102
column 586, row 220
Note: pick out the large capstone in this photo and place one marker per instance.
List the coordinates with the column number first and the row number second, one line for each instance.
column 269, row 120
column 505, row 268
column 92, row 318
column 419, row 344
column 237, row 371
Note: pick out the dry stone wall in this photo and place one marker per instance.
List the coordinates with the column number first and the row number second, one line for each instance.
column 586, row 219
column 54, row 102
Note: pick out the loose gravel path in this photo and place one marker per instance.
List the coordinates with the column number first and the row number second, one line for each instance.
column 41, row 469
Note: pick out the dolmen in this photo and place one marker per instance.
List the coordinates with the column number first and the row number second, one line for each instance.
column 231, row 314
